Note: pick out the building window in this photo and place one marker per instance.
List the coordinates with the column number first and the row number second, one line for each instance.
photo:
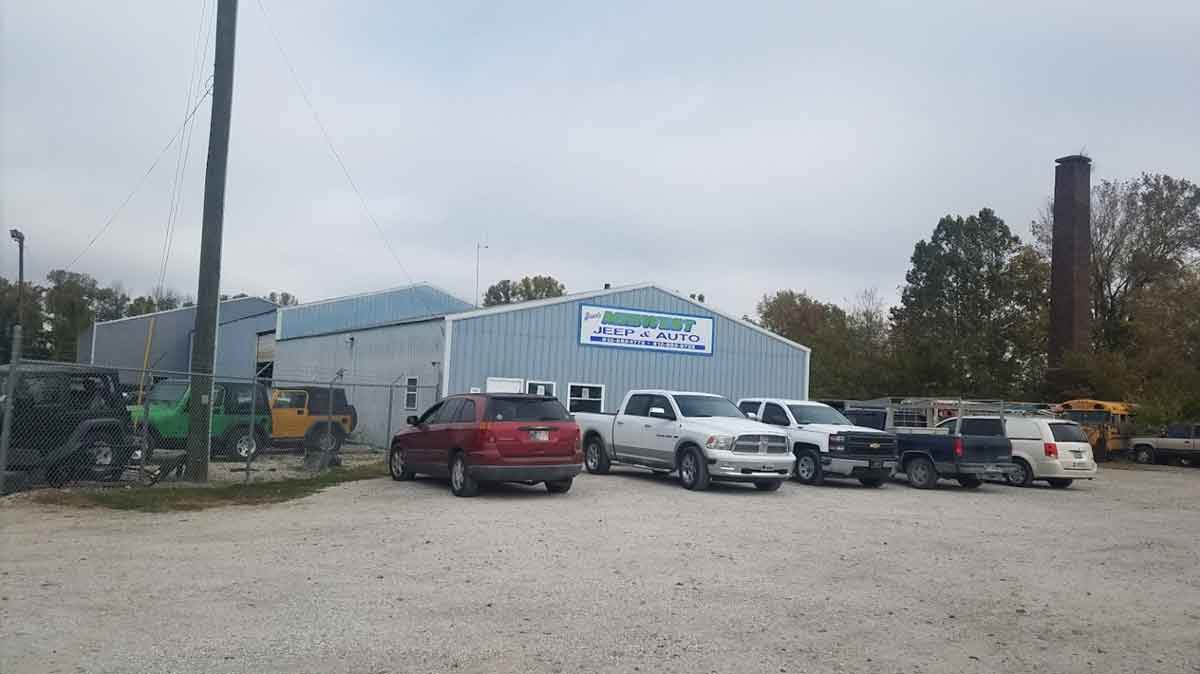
column 585, row 397
column 540, row 388
column 410, row 393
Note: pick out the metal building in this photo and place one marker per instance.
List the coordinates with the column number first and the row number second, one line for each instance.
column 415, row 344
column 163, row 340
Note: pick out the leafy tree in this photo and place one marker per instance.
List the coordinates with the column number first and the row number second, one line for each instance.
column 849, row 347
column 971, row 318
column 111, row 302
column 70, row 308
column 528, row 288
column 34, row 338
column 141, row 306
column 283, row 299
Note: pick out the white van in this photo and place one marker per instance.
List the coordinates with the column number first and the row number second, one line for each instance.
column 1045, row 448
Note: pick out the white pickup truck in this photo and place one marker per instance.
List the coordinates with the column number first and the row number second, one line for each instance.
column 825, row 442
column 703, row 436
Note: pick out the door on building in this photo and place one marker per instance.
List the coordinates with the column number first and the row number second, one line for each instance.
column 505, row 385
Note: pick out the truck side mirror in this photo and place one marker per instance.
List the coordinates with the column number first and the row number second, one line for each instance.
column 411, row 420
column 752, row 415
column 660, row 413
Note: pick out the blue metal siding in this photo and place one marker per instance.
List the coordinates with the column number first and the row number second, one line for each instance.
column 365, row 311
column 542, row 343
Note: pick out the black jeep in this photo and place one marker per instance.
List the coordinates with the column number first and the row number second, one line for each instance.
column 68, row 423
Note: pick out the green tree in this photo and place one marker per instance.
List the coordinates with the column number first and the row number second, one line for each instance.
column 528, row 288
column 971, row 316
column 34, row 341
column 283, row 299
column 70, row 309
column 140, row 306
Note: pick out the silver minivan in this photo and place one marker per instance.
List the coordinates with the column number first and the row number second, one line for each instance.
column 1045, row 448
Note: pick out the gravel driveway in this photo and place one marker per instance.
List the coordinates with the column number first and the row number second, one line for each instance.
column 625, row 573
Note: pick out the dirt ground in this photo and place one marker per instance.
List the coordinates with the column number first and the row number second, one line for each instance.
column 625, row 573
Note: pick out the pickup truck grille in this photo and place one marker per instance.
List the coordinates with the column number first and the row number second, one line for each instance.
column 753, row 444
column 870, row 443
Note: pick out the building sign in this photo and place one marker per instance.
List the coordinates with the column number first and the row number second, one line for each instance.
column 638, row 329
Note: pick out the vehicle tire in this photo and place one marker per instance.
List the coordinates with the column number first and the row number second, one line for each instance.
column 970, row 482
column 768, row 485
column 921, row 473
column 595, row 459
column 1143, row 454
column 400, row 472
column 243, row 444
column 559, row 486
column 871, row 481
column 808, row 467
column 327, row 440
column 693, row 469
column 1060, row 482
column 99, row 459
column 461, row 482
column 1022, row 477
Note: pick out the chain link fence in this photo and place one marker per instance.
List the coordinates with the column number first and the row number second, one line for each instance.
column 71, row 424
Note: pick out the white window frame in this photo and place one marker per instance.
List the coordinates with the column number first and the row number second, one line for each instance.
column 487, row 384
column 534, row 382
column 603, row 393
column 411, row 388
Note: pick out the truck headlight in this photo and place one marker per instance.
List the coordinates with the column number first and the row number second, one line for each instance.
column 837, row 443
column 719, row 442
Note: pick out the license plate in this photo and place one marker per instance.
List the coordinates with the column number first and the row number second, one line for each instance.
column 877, row 464
column 1079, row 464
column 991, row 468
column 539, row 436
column 1077, row 455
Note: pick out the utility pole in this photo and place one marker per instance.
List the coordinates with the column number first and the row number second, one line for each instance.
column 20, row 239
column 478, row 247
column 208, row 291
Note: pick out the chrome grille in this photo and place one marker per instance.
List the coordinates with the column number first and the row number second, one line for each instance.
column 761, row 444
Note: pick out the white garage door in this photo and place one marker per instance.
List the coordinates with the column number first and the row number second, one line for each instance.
column 505, row 385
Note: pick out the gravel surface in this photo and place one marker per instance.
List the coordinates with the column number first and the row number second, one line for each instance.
column 625, row 573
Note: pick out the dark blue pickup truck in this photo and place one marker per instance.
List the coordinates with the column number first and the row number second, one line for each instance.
column 966, row 450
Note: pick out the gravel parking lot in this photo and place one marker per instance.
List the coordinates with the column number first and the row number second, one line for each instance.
column 626, row 573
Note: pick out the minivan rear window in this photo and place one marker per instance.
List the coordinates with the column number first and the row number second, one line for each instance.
column 1067, row 433
column 525, row 409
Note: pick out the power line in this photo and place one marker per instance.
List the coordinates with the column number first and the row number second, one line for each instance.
column 112, row 218
column 329, row 142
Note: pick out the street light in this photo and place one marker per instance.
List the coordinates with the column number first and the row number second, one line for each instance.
column 20, row 239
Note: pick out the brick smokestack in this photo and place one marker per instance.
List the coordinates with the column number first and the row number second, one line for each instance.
column 1071, row 259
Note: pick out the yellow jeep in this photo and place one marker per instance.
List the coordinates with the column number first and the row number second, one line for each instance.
column 303, row 415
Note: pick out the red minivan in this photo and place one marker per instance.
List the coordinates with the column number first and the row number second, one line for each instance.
column 496, row 437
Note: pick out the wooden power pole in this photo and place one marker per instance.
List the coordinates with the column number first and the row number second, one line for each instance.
column 204, row 338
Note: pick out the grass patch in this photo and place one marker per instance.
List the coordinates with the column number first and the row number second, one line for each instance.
column 166, row 498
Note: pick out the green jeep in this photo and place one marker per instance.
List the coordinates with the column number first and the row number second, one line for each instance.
column 166, row 409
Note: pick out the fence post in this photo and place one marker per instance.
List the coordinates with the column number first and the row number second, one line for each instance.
column 10, row 387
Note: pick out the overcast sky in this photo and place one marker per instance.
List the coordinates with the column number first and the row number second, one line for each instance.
column 728, row 148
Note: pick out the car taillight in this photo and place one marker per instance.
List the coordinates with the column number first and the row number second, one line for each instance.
column 958, row 447
column 1051, row 449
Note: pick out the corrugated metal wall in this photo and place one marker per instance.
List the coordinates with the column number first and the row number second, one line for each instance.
column 386, row 307
column 376, row 358
column 542, row 343
column 122, row 343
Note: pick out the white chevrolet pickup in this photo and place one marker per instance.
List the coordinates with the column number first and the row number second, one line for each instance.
column 827, row 444
column 703, row 436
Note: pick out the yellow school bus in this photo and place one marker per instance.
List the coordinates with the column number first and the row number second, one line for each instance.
column 1108, row 424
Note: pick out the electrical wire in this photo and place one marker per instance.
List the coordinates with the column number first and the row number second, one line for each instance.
column 161, row 153
column 332, row 149
column 198, row 66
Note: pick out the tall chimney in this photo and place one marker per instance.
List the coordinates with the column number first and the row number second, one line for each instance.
column 1071, row 258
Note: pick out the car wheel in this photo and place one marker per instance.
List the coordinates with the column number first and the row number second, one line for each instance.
column 921, row 473
column 808, row 468
column 1022, row 477
column 1143, row 454
column 1060, row 482
column 559, row 486
column 768, row 485
column 871, row 481
column 970, row 482
column 594, row 457
column 244, row 444
column 329, row 441
column 461, row 482
column 98, row 458
column 396, row 466
column 693, row 471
